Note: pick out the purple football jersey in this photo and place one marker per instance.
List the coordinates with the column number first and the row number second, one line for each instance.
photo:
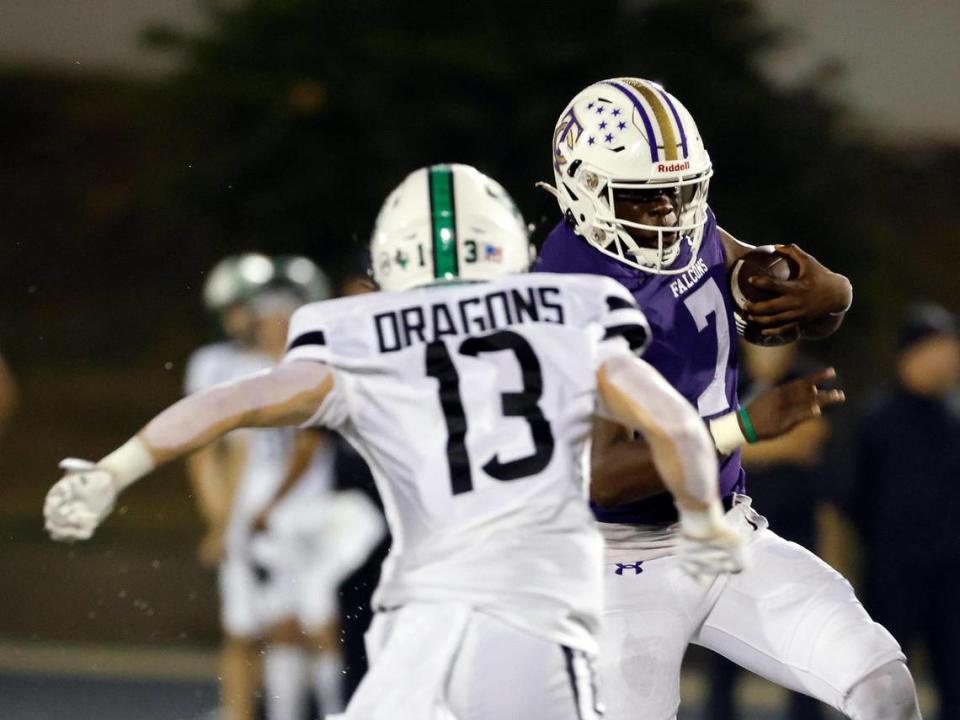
column 694, row 338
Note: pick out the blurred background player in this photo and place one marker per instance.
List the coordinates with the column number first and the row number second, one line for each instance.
column 216, row 470
column 306, row 537
column 490, row 600
column 904, row 496
column 786, row 483
column 282, row 576
column 276, row 584
column 632, row 177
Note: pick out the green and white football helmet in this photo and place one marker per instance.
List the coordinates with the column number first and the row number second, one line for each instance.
column 447, row 223
column 239, row 278
column 235, row 279
column 301, row 275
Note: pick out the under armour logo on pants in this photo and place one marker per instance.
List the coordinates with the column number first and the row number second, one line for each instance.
column 636, row 567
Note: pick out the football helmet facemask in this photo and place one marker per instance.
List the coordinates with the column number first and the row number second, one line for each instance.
column 627, row 141
column 447, row 223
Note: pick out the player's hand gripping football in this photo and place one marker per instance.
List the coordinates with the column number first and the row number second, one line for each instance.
column 814, row 293
column 781, row 408
column 79, row 501
column 709, row 545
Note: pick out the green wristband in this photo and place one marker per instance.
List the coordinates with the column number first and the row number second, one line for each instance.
column 748, row 430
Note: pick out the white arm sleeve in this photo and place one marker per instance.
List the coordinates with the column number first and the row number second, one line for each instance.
column 283, row 395
column 682, row 448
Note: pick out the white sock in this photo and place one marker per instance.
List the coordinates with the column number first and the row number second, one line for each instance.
column 286, row 682
column 328, row 681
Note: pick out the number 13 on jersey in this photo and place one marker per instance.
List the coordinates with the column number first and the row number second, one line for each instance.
column 523, row 404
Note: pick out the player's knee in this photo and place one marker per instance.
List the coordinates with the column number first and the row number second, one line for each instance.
column 887, row 693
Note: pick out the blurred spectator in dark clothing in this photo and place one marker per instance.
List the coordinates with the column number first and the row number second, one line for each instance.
column 905, row 501
column 784, row 482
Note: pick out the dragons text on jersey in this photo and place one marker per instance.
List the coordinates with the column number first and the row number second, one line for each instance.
column 476, row 313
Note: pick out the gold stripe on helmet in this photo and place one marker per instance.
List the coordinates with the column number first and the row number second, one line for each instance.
column 661, row 114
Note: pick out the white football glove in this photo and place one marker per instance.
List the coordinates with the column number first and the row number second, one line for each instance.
column 709, row 545
column 79, row 501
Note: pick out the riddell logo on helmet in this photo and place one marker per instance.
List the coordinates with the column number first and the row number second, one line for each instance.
column 673, row 167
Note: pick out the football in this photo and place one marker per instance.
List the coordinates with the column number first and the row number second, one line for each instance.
column 764, row 260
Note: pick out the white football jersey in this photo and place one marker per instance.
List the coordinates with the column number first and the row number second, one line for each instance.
column 472, row 405
column 268, row 451
column 221, row 362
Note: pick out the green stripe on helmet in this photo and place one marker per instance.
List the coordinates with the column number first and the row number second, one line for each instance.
column 444, row 222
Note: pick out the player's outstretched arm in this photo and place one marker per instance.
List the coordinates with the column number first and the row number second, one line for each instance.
column 288, row 394
column 637, row 396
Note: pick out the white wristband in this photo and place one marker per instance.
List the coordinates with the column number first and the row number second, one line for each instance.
column 726, row 432
column 702, row 523
column 128, row 463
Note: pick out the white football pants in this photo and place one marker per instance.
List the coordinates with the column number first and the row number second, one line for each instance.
column 789, row 617
column 440, row 661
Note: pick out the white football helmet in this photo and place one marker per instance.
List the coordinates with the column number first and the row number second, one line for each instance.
column 628, row 134
column 234, row 280
column 302, row 275
column 447, row 223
